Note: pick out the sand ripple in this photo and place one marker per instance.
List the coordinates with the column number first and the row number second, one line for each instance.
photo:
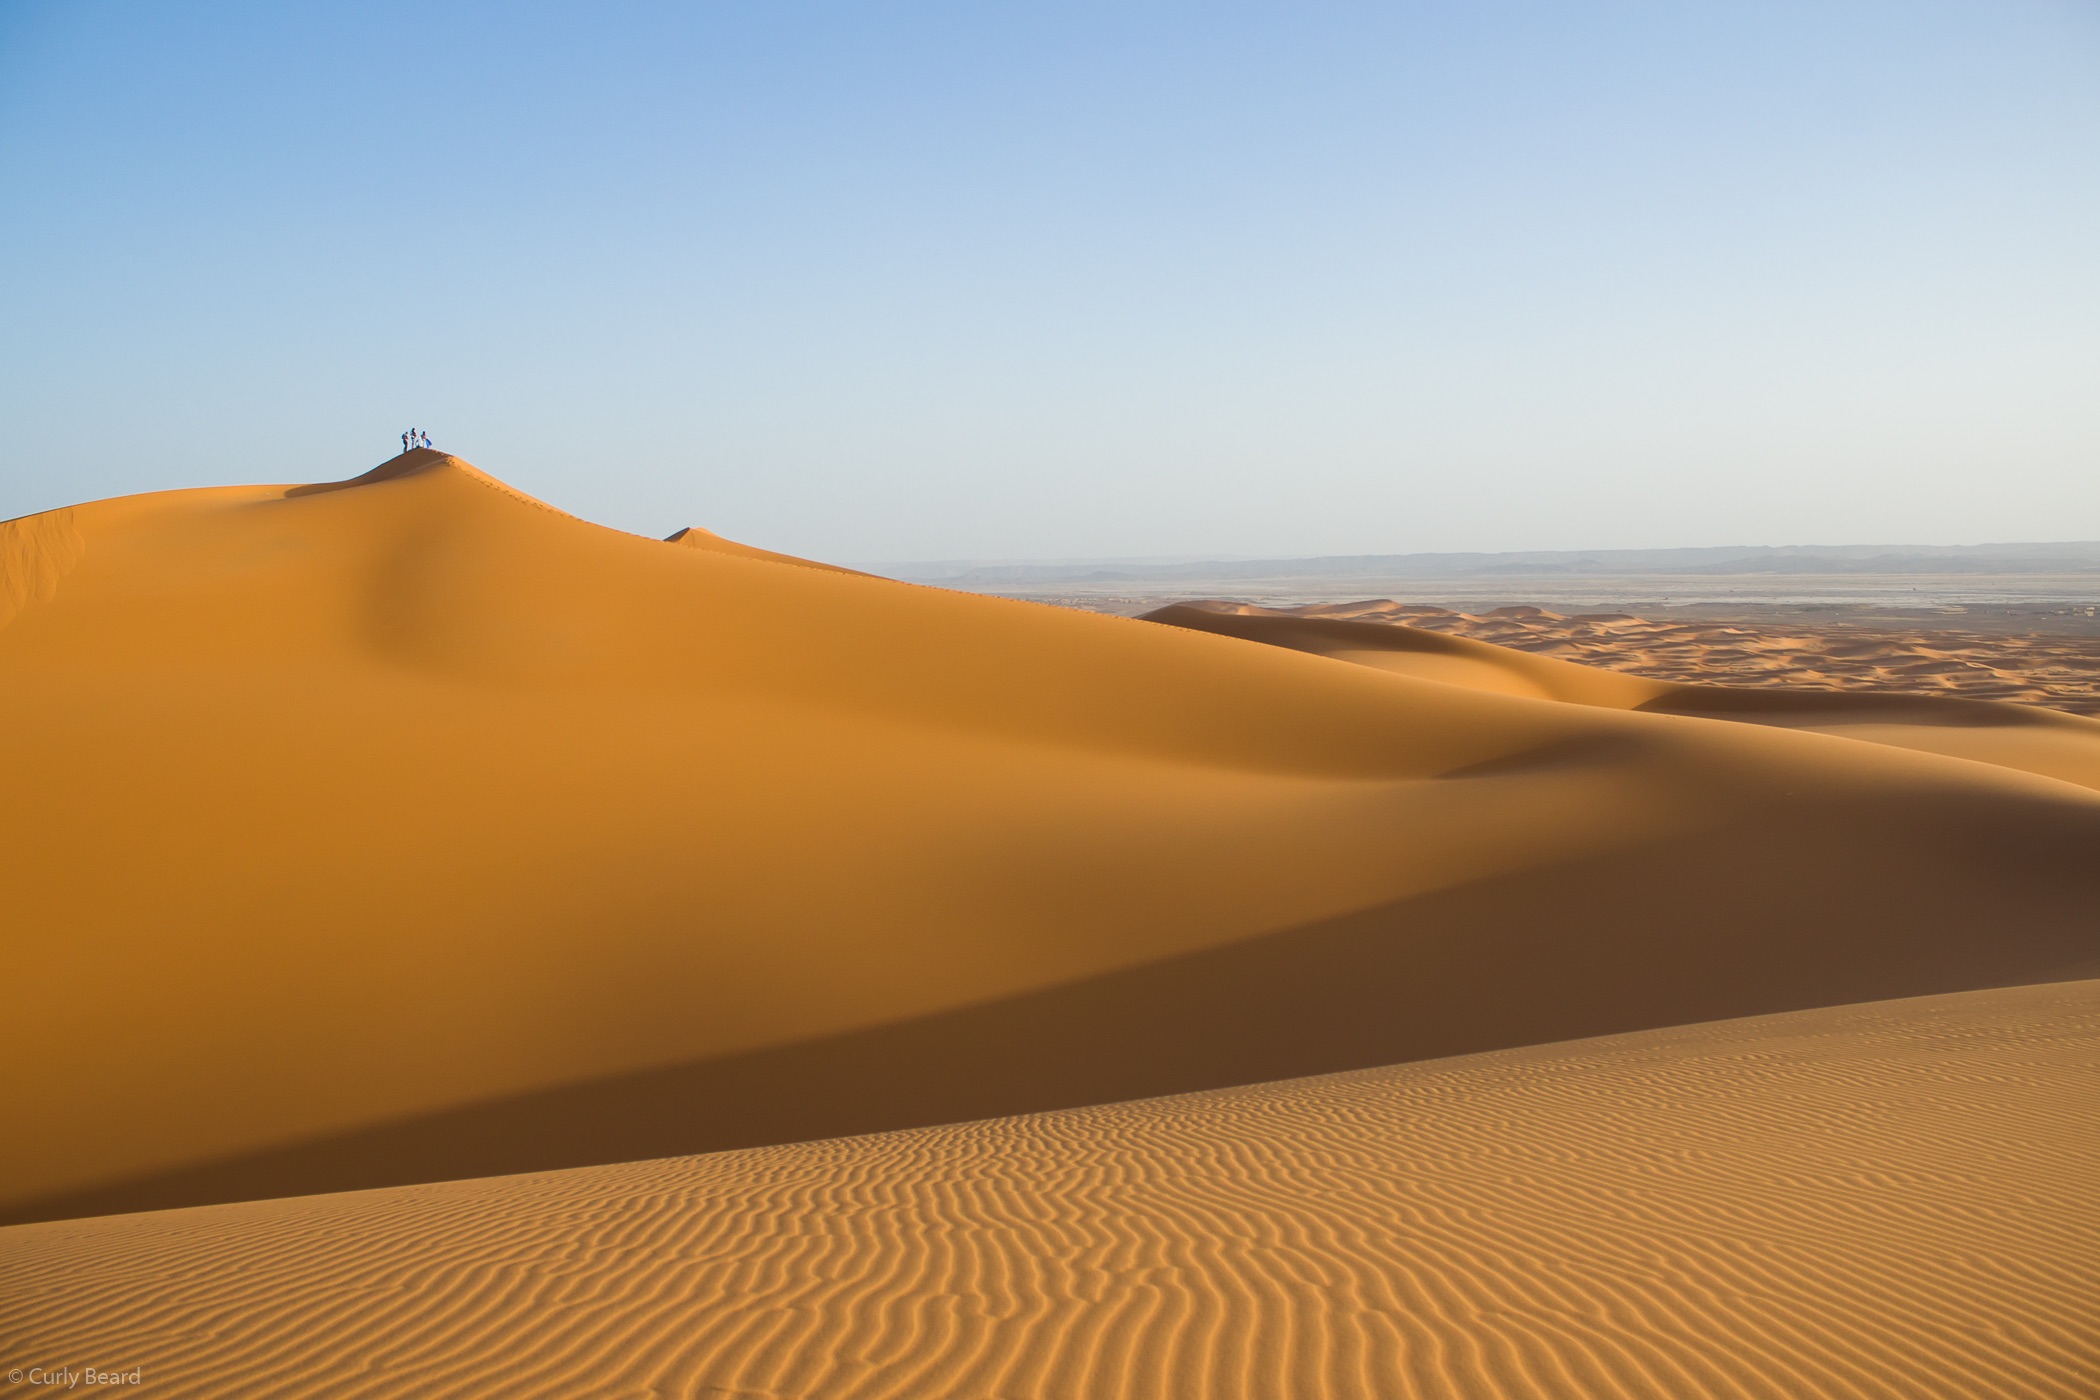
column 1896, row 1199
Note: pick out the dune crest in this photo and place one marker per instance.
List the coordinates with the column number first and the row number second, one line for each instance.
column 693, row 537
column 460, row 835
column 1890, row 1200
column 419, row 459
column 36, row 551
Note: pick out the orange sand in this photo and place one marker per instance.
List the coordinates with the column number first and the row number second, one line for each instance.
column 2032, row 739
column 405, row 829
column 408, row 828
column 1896, row 1200
column 2061, row 672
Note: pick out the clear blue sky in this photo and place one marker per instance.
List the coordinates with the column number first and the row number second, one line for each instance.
column 916, row 281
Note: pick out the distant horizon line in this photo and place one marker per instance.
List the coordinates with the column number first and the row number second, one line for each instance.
column 2080, row 555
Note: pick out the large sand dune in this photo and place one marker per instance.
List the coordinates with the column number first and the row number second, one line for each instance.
column 1896, row 1200
column 408, row 828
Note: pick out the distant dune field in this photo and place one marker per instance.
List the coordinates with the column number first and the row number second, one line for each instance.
column 2055, row 671
column 407, row 830
column 1894, row 1200
column 1860, row 691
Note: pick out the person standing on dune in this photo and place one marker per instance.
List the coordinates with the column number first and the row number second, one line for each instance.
column 404, row 442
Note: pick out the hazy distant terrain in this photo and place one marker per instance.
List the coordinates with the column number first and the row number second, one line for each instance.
column 2071, row 557
column 2012, row 588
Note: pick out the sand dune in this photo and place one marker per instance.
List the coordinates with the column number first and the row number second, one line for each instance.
column 2061, row 672
column 1893, row 1200
column 1520, row 651
column 405, row 828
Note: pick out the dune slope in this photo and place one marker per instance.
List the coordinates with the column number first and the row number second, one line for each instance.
column 402, row 828
column 1891, row 1200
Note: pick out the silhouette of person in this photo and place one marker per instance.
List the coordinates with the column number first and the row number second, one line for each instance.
column 404, row 442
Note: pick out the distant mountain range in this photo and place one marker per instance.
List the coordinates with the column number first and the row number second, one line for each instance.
column 2072, row 557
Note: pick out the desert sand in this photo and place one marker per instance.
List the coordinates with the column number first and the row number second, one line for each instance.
column 1887, row 1200
column 408, row 829
column 1887, row 710
column 2058, row 671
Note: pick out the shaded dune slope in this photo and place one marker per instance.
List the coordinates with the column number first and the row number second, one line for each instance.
column 1676, row 932
column 407, row 827
column 1889, row 1200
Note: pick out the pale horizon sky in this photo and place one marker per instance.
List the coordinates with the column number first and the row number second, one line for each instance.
column 913, row 282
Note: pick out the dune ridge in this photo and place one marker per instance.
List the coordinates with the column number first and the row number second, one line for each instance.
column 359, row 819
column 1895, row 1199
column 693, row 537
column 36, row 551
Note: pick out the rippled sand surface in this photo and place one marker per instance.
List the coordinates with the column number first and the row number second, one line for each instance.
column 1898, row 1199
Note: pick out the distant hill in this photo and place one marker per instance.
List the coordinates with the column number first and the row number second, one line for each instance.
column 2071, row 557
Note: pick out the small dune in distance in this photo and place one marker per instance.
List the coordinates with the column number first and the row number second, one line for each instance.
column 458, row 949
